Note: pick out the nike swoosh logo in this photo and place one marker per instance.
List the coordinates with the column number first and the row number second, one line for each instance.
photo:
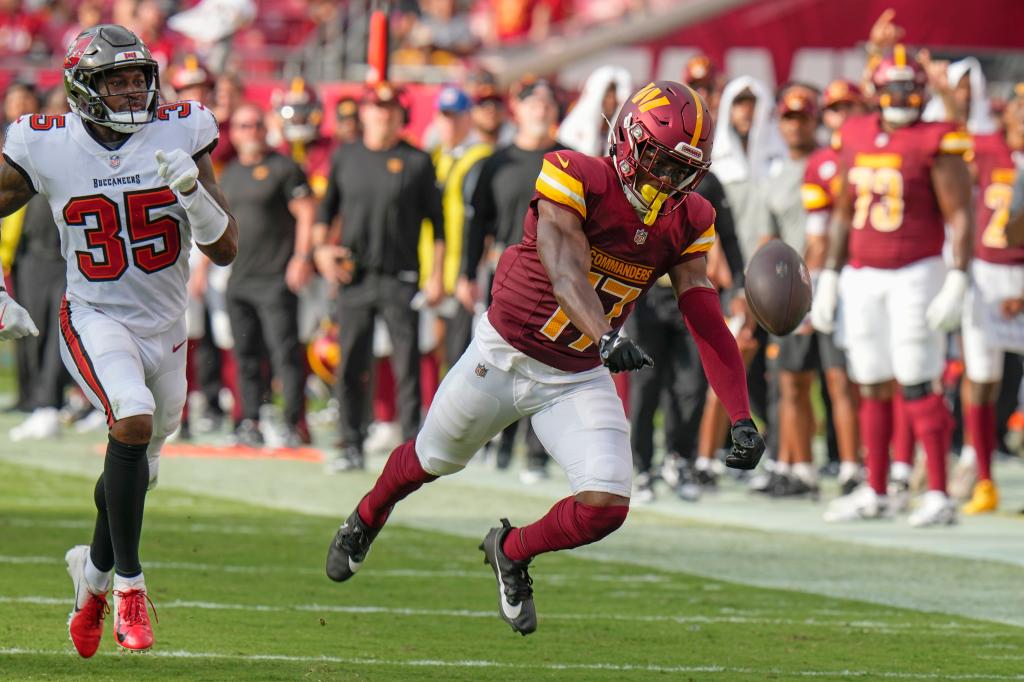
column 2, row 317
column 506, row 608
column 565, row 164
column 174, row 349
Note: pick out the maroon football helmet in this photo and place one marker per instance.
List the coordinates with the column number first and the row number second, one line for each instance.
column 300, row 111
column 661, row 146
column 899, row 81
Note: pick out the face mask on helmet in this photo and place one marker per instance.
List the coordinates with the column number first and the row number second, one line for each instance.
column 656, row 175
column 111, row 79
column 300, row 122
column 900, row 102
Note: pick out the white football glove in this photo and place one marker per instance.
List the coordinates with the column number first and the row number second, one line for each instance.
column 177, row 169
column 946, row 308
column 14, row 320
column 826, row 298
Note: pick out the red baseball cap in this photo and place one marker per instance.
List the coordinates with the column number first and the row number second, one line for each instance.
column 699, row 69
column 842, row 91
column 797, row 99
column 382, row 94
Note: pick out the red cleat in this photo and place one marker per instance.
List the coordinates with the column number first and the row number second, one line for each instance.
column 85, row 624
column 131, row 618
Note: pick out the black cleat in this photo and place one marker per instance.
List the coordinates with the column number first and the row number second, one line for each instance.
column 349, row 547
column 849, row 485
column 515, row 591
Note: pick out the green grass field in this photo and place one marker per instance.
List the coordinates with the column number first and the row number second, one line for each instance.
column 241, row 594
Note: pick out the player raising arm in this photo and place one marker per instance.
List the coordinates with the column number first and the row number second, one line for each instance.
column 902, row 179
column 130, row 183
column 598, row 233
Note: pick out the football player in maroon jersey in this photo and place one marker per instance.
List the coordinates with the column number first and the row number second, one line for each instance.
column 992, row 321
column 598, row 233
column 901, row 180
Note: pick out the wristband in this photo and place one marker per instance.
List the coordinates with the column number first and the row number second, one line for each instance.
column 205, row 216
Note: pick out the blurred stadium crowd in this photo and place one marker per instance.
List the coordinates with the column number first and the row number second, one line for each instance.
column 330, row 317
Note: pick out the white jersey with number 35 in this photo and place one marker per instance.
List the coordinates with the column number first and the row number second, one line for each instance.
column 123, row 233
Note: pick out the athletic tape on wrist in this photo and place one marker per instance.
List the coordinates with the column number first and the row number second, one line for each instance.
column 207, row 219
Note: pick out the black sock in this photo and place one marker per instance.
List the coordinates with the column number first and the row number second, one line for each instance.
column 125, row 478
column 101, row 551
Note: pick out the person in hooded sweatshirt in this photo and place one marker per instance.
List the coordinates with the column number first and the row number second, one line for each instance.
column 585, row 128
column 747, row 143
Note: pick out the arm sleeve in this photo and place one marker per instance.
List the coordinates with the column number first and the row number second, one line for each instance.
column 331, row 202
column 719, row 354
column 430, row 199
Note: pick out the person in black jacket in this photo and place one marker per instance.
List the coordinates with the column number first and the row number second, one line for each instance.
column 500, row 201
column 275, row 209
column 676, row 382
column 382, row 188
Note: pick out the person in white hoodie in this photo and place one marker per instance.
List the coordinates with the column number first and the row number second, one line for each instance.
column 585, row 128
column 961, row 96
column 743, row 154
column 747, row 143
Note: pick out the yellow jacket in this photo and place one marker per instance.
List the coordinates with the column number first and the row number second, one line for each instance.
column 451, row 166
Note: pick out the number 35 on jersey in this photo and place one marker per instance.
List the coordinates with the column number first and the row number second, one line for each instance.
column 123, row 232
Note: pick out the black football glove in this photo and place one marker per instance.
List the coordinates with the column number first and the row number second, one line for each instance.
column 620, row 354
column 747, row 446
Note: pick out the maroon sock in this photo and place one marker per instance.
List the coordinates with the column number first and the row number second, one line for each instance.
column 981, row 424
column 933, row 428
column 903, row 433
column 569, row 524
column 876, row 432
column 402, row 476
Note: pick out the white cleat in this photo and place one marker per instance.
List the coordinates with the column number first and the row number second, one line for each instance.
column 44, row 422
column 94, row 421
column 935, row 509
column 383, row 438
column 899, row 496
column 862, row 503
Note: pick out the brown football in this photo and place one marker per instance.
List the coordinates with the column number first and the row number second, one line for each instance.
column 778, row 287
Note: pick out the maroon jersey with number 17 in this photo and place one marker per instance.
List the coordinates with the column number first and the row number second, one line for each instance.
column 993, row 161
column 896, row 217
column 626, row 257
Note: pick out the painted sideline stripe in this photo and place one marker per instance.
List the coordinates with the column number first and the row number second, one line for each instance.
column 383, row 573
column 471, row 663
column 287, row 530
column 961, row 630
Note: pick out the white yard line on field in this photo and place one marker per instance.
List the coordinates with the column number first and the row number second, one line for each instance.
column 611, row 667
column 645, row 578
column 960, row 629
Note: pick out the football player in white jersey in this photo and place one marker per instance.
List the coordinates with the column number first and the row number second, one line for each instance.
column 130, row 184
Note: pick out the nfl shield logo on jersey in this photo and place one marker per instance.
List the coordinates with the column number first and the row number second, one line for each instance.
column 115, row 160
column 640, row 237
